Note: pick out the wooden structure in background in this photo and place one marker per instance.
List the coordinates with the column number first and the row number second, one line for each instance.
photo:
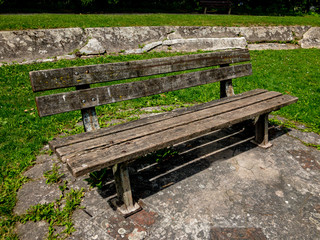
column 216, row 4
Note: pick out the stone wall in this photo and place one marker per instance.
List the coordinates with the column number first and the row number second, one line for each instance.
column 51, row 44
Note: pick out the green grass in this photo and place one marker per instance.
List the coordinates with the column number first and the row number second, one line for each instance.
column 40, row 21
column 56, row 213
column 53, row 175
column 23, row 133
column 292, row 72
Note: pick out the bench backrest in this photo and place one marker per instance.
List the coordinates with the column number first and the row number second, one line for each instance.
column 86, row 98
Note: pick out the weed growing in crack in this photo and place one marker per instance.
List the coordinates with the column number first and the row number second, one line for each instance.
column 53, row 175
column 54, row 215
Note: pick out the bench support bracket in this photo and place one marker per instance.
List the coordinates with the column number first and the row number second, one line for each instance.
column 90, row 120
column 89, row 115
column 226, row 88
column 124, row 203
column 261, row 131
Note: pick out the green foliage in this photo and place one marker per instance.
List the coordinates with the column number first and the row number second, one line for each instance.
column 86, row 2
column 73, row 200
column 98, row 178
column 279, row 7
column 43, row 21
column 317, row 146
column 53, row 175
column 292, row 72
column 289, row 124
column 113, row 1
column 41, row 212
column 164, row 155
column 54, row 215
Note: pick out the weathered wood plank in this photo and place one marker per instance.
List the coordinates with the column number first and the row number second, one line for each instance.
column 61, row 142
column 65, row 102
column 148, row 129
column 102, row 158
column 75, row 76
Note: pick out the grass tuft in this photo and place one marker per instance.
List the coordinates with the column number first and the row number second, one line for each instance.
column 53, row 214
column 53, row 175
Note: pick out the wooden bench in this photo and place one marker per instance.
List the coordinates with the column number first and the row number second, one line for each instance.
column 115, row 146
column 215, row 4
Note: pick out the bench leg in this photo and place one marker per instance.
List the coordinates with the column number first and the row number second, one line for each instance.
column 124, row 204
column 261, row 134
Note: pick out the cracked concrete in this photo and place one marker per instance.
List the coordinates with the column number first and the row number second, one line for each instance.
column 46, row 45
column 36, row 192
column 220, row 186
column 26, row 231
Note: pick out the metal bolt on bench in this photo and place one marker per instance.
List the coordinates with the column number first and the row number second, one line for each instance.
column 115, row 146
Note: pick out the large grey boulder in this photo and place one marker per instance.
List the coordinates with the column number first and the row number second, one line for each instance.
column 311, row 39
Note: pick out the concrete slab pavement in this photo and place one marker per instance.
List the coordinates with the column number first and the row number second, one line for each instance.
column 220, row 186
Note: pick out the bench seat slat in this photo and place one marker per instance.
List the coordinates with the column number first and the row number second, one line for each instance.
column 75, row 76
column 81, row 99
column 69, row 152
column 82, row 137
column 105, row 157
